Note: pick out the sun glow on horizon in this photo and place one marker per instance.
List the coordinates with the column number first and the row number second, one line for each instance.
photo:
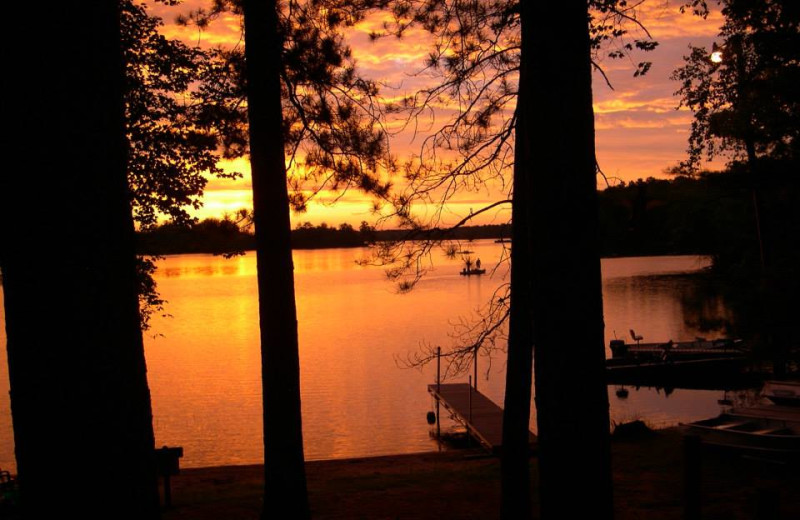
column 639, row 131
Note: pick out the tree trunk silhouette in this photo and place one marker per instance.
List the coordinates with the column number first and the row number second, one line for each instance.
column 569, row 351
column 556, row 285
column 515, row 469
column 284, row 472
column 79, row 397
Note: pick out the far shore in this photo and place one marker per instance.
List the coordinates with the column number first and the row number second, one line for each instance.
column 464, row 484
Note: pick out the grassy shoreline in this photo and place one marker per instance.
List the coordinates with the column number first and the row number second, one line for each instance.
column 464, row 484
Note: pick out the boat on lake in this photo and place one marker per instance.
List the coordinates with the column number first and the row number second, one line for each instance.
column 700, row 348
column 685, row 364
column 472, row 268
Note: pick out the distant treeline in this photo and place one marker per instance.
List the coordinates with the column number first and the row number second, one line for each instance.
column 218, row 236
column 224, row 236
column 670, row 216
column 710, row 214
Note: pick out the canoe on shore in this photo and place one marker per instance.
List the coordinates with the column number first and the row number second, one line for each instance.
column 783, row 392
column 763, row 430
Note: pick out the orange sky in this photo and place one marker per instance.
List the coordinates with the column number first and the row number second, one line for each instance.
column 639, row 132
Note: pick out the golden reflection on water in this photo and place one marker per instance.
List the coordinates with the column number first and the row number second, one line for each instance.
column 204, row 358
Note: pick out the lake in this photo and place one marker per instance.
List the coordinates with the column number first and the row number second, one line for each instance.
column 355, row 329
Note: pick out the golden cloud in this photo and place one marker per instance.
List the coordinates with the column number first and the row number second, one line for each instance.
column 639, row 131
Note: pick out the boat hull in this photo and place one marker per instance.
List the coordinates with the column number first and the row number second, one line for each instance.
column 768, row 435
column 785, row 393
column 696, row 364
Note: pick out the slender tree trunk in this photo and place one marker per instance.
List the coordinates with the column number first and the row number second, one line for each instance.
column 569, row 351
column 79, row 397
column 284, row 472
column 515, row 467
column 752, row 165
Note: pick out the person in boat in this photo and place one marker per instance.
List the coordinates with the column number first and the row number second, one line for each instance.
column 478, row 263
column 468, row 263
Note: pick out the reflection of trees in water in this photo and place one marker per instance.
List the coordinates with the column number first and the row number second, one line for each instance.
column 745, row 397
column 704, row 305
column 763, row 314
column 666, row 306
column 707, row 303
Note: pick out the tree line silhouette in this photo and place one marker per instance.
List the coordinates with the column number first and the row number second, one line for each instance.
column 224, row 236
column 707, row 214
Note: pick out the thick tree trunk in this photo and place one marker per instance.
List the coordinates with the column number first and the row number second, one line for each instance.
column 284, row 472
column 515, row 468
column 79, row 396
column 569, row 351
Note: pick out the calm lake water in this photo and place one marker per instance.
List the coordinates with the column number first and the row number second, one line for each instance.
column 204, row 367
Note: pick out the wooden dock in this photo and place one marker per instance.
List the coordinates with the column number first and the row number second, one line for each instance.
column 482, row 417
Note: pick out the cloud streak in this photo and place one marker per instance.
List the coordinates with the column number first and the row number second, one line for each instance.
column 639, row 131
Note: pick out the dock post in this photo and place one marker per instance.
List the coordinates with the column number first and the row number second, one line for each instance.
column 475, row 367
column 469, row 436
column 470, row 399
column 438, row 391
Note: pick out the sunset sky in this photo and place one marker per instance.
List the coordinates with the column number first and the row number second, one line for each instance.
column 639, row 132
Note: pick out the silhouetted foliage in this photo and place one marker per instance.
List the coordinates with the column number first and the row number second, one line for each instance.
column 332, row 128
column 746, row 104
column 711, row 213
column 174, row 127
column 226, row 237
column 215, row 236
column 306, row 236
column 193, row 111
column 476, row 60
column 765, row 300
column 677, row 216
column 707, row 214
column 746, row 94
column 480, row 51
column 476, row 55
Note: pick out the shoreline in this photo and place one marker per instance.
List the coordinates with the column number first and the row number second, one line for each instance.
column 464, row 484
column 356, row 459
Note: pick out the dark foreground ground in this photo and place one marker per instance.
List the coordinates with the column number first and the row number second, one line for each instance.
column 648, row 481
